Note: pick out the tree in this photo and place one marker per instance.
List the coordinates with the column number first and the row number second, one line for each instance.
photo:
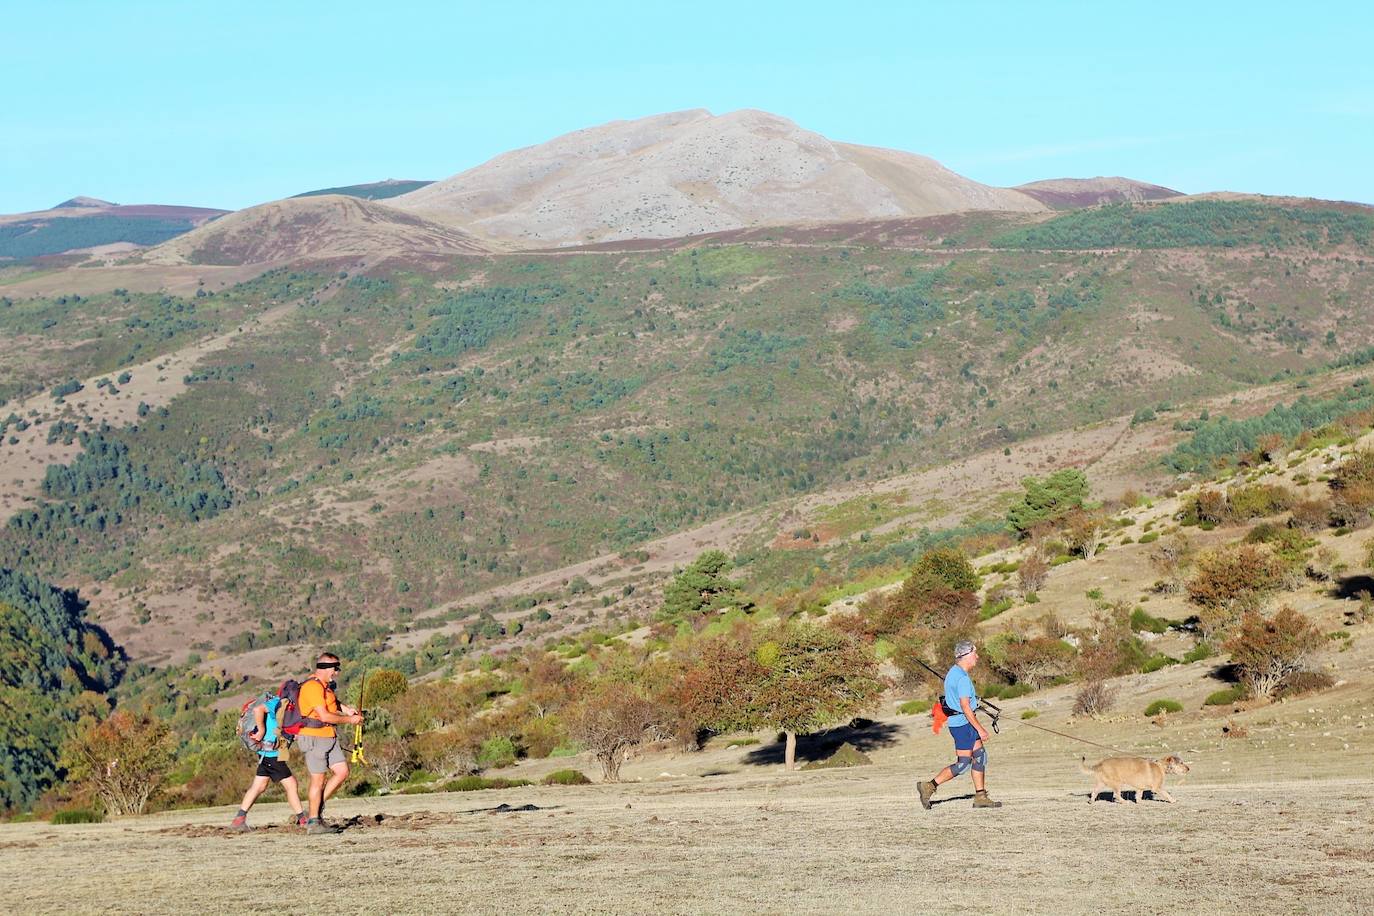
column 702, row 586
column 1033, row 572
column 123, row 759
column 794, row 677
column 1267, row 650
column 383, row 684
column 1048, row 499
column 609, row 721
column 951, row 566
column 1085, row 532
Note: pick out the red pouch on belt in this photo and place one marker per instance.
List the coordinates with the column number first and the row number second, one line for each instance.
column 938, row 717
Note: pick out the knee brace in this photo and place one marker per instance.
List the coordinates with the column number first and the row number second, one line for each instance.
column 959, row 765
column 980, row 760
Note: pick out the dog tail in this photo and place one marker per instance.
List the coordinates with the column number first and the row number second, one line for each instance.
column 1083, row 765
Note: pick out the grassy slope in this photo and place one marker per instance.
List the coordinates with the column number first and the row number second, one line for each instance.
column 610, row 398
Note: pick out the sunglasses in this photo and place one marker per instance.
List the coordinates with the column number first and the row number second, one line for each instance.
column 334, row 665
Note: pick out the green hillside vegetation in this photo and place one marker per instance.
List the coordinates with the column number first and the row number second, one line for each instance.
column 63, row 233
column 383, row 450
column 380, row 190
column 55, row 667
column 1187, row 224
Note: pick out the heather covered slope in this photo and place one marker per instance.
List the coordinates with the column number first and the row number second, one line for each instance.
column 84, row 223
column 691, row 172
column 313, row 228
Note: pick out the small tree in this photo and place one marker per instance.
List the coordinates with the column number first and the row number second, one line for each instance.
column 950, row 566
column 1085, row 532
column 383, row 684
column 123, row 760
column 391, row 761
column 452, row 752
column 702, row 586
column 809, row 678
column 1033, row 661
column 608, row 722
column 1033, row 572
column 1048, row 499
column 1267, row 650
column 1093, row 699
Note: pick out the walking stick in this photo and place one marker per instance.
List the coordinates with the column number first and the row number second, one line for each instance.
column 357, row 755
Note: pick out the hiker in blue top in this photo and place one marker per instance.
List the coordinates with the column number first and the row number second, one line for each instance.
column 961, row 700
column 271, row 768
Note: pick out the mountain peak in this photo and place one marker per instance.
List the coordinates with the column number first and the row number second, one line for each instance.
column 688, row 172
column 85, row 202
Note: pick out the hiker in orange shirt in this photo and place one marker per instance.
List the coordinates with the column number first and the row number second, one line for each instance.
column 318, row 741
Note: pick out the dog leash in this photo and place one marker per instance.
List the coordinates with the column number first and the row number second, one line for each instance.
column 1105, row 747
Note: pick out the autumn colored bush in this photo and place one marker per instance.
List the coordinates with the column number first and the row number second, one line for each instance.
column 123, row 760
column 452, row 752
column 1266, row 650
column 1230, row 581
column 1352, row 505
column 1033, row 661
column 1084, row 531
column 1093, row 699
column 950, row 566
column 1310, row 515
column 608, row 722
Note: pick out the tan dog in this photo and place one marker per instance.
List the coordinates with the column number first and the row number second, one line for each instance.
column 1137, row 773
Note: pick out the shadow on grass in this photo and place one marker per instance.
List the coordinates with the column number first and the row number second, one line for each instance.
column 1348, row 588
column 862, row 733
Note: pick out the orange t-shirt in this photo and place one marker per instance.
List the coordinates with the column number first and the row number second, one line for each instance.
column 314, row 695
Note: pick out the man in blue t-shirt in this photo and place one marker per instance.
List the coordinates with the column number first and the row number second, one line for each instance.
column 961, row 701
column 271, row 768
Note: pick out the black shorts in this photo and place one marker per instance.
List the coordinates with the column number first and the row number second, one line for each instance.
column 274, row 768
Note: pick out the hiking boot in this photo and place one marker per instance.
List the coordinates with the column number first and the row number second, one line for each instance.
column 981, row 800
column 318, row 828
column 927, row 790
column 298, row 820
column 239, row 825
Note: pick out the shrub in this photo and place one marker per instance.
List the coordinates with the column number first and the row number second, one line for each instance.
column 383, row 684
column 1226, row 697
column 610, row 721
column 477, row 783
column 1204, row 506
column 391, row 761
column 1268, row 650
column 1163, row 706
column 495, row 752
column 1032, row 662
column 568, row 777
column 912, row 707
column 449, row 752
column 1032, row 573
column 1030, row 713
column 1141, row 622
column 1310, row 515
column 1351, row 505
column 123, row 760
column 994, row 606
column 1301, row 682
column 1259, row 500
column 950, row 566
column 1084, row 531
column 78, row 816
column 1156, row 662
column 1197, row 653
column 1231, row 581
column 1093, row 699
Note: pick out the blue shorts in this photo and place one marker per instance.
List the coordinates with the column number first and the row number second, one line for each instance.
column 964, row 736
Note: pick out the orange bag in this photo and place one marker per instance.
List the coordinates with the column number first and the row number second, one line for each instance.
column 938, row 717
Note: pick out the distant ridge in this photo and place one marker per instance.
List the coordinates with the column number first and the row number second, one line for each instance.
column 85, row 223
column 377, row 190
column 313, row 228
column 1074, row 193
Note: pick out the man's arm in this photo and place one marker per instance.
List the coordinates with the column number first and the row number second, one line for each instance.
column 324, row 715
column 259, row 722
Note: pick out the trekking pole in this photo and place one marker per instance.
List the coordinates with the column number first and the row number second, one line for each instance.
column 993, row 710
column 357, row 755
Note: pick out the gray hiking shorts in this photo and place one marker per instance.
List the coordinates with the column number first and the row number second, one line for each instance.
column 321, row 754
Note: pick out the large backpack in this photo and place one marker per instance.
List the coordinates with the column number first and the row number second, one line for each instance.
column 289, row 720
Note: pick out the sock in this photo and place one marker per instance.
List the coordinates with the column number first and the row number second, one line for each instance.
column 242, row 814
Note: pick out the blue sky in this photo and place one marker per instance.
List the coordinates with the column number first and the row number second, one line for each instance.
column 233, row 104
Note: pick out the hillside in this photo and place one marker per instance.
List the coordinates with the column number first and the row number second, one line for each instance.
column 316, row 228
column 374, row 190
column 691, row 172
column 1075, row 193
column 323, row 454
column 85, row 223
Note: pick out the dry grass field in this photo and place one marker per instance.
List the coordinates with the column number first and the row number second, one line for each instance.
column 1277, row 820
